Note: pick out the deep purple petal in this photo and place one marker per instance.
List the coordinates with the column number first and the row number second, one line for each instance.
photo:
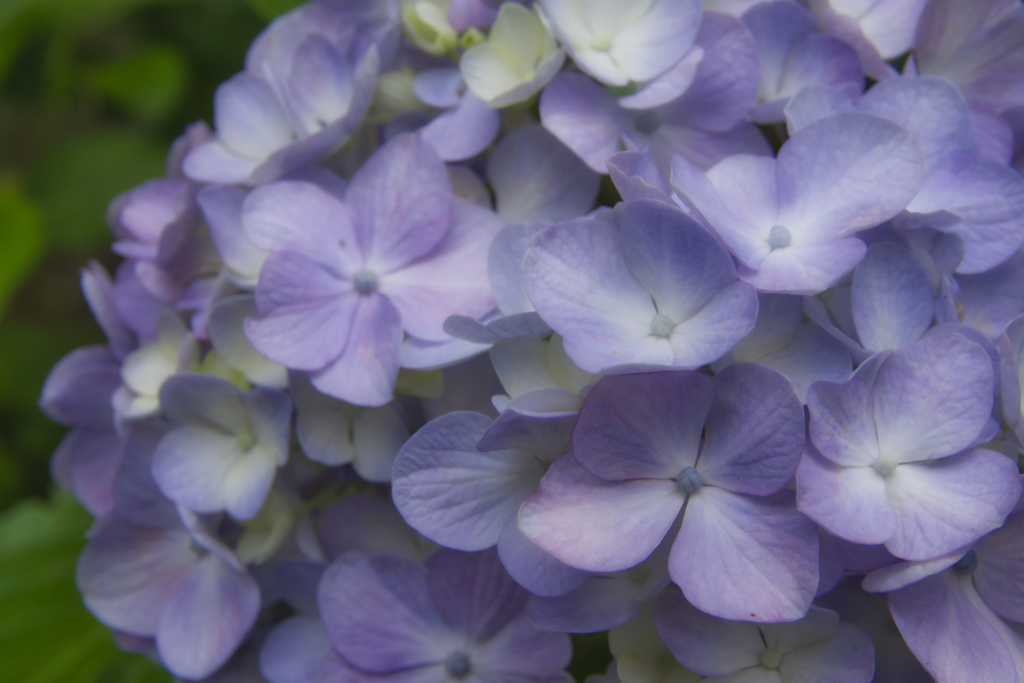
column 642, row 425
column 378, row 613
column 754, row 433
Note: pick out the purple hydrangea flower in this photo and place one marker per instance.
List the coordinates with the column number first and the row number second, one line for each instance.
column 461, row 617
column 893, row 462
column 308, row 81
column 790, row 221
column 743, row 551
column 345, row 279
column 659, row 290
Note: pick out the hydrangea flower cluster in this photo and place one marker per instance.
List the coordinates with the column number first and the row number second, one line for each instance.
column 389, row 395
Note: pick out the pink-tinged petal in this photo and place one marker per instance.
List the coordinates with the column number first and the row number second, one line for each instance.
column 206, row 618
column 402, row 200
column 844, row 173
column 948, row 503
column 850, row 502
column 127, row 574
column 365, row 372
column 532, row 567
column 755, row 431
column 747, row 558
column 952, row 632
column 296, row 215
column 545, row 653
column 473, row 593
column 451, row 279
column 702, row 643
column 677, row 260
column 378, row 613
column 902, row 574
column 892, row 298
column 932, row 398
column 295, row 650
column 464, row 131
column 577, row 278
column 997, row 577
column 584, row 116
column 642, row 425
column 598, row 525
column 805, row 268
column 453, row 493
column 842, row 423
column 305, row 313
column 737, row 217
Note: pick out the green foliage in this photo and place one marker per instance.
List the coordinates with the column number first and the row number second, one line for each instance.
column 76, row 179
column 21, row 240
column 268, row 9
column 46, row 634
column 149, row 83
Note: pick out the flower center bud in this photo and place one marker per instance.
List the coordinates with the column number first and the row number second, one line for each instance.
column 365, row 281
column 689, row 480
column 779, row 237
column 967, row 565
column 602, row 41
column 661, row 325
column 885, row 465
column 771, row 658
column 457, row 664
column 648, row 122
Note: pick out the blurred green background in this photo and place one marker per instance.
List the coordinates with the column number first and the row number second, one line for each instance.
column 92, row 93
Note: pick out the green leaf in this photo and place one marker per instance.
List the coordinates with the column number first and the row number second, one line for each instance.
column 268, row 9
column 21, row 241
column 149, row 83
column 46, row 634
column 75, row 180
